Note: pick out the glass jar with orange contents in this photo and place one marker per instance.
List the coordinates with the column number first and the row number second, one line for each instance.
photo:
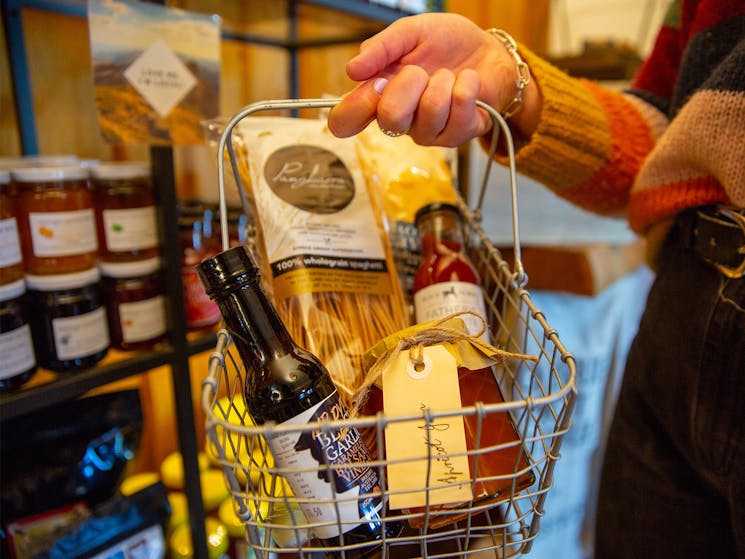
column 11, row 262
column 56, row 221
column 126, row 218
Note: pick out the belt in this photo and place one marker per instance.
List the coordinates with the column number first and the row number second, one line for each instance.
column 717, row 235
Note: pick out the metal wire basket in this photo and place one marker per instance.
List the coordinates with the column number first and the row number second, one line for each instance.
column 538, row 399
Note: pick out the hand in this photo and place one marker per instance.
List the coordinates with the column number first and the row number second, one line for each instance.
column 423, row 74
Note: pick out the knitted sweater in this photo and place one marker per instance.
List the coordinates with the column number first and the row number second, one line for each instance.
column 675, row 140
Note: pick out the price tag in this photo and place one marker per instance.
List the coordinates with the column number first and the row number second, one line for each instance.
column 427, row 460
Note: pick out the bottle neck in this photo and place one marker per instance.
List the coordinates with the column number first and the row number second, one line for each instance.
column 257, row 329
column 440, row 230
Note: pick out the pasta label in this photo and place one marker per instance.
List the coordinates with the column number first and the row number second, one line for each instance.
column 317, row 218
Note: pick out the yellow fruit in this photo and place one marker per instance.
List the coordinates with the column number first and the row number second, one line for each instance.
column 179, row 509
column 138, row 482
column 214, row 490
column 226, row 514
column 180, row 545
column 172, row 469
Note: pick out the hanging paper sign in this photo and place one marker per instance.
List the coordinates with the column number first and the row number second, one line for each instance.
column 156, row 71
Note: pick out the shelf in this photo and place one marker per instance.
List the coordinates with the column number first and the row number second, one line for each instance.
column 67, row 386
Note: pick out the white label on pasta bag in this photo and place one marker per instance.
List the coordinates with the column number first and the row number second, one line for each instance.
column 143, row 320
column 320, row 230
column 10, row 246
column 442, row 299
column 304, row 454
column 17, row 351
column 130, row 228
column 63, row 233
column 82, row 335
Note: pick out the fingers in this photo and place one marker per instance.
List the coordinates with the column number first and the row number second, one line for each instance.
column 383, row 49
column 355, row 111
column 434, row 108
column 400, row 99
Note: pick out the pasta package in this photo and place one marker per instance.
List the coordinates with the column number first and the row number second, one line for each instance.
column 405, row 176
column 333, row 278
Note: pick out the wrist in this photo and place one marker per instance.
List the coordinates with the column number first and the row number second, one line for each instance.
column 523, row 107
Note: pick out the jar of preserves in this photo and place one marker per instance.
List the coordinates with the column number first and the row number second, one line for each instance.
column 18, row 363
column 135, row 302
column 68, row 319
column 199, row 240
column 56, row 220
column 11, row 261
column 126, row 218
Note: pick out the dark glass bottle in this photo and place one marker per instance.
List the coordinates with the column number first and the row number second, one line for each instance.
column 289, row 385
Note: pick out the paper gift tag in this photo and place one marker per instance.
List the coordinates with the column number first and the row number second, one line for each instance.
column 406, row 391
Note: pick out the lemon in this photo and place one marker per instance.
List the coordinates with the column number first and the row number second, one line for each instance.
column 179, row 509
column 172, row 469
column 181, row 546
column 214, row 490
column 138, row 482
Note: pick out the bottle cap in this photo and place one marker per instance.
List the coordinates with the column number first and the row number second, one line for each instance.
column 120, row 170
column 228, row 269
column 133, row 269
column 49, row 174
column 436, row 207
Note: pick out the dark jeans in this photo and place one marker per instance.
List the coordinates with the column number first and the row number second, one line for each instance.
column 673, row 481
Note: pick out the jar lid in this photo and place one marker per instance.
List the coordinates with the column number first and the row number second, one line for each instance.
column 131, row 269
column 120, row 170
column 37, row 161
column 4, row 176
column 12, row 290
column 54, row 282
column 49, row 173
column 436, row 207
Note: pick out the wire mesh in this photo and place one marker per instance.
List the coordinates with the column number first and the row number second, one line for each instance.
column 509, row 477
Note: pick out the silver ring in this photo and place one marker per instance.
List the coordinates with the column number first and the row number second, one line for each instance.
column 391, row 133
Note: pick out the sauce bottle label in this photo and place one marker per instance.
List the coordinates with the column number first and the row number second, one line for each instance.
column 10, row 245
column 17, row 351
column 306, row 455
column 443, row 299
column 130, row 228
column 63, row 233
column 81, row 335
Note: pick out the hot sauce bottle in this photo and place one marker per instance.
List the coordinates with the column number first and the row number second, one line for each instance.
column 290, row 386
column 446, row 283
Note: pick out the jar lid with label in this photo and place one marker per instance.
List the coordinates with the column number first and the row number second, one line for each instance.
column 12, row 290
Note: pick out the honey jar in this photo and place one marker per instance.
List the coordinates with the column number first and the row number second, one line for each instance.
column 56, row 220
column 126, row 217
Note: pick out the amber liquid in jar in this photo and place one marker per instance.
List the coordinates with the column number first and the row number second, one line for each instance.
column 11, row 261
column 445, row 283
column 56, row 220
column 126, row 217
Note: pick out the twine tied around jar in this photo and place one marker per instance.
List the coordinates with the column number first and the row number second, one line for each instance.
column 415, row 339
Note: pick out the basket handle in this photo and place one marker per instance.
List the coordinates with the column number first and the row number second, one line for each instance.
column 498, row 121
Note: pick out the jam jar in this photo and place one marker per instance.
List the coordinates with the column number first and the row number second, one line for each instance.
column 56, row 220
column 11, row 261
column 18, row 363
column 126, row 217
column 135, row 302
column 68, row 319
column 199, row 240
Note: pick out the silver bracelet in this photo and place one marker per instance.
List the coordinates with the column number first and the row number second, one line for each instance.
column 523, row 72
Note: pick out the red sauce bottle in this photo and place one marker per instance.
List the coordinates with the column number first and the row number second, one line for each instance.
column 445, row 283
